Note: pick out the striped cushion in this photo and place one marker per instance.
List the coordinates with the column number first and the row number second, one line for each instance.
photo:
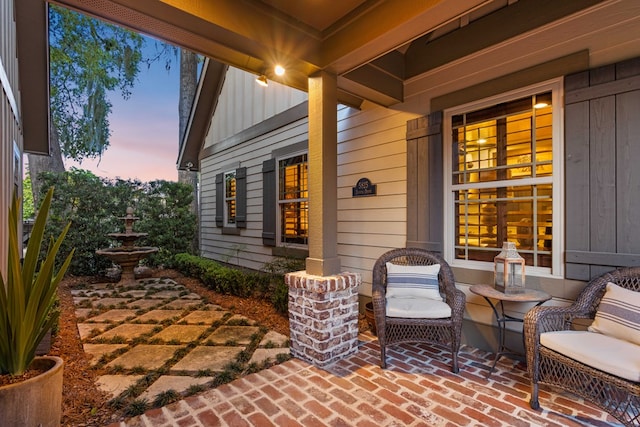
column 413, row 281
column 618, row 314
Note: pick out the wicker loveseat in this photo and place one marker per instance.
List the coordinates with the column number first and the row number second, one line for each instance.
column 597, row 364
column 407, row 319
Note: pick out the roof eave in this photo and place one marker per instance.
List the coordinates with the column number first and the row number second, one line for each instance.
column 33, row 73
column 204, row 105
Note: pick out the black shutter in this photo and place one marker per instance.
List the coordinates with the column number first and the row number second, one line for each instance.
column 269, row 202
column 241, row 198
column 219, row 200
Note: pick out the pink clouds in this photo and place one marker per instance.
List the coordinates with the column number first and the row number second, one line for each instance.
column 144, row 130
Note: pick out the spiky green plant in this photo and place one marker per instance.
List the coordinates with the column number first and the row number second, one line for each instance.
column 28, row 293
column 137, row 407
column 165, row 397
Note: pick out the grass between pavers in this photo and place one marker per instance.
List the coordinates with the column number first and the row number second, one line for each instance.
column 129, row 401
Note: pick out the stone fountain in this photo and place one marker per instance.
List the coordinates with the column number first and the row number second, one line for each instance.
column 127, row 255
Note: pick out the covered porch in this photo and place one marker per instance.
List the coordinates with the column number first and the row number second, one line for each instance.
column 363, row 54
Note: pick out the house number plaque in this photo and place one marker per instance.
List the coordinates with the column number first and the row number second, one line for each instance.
column 364, row 187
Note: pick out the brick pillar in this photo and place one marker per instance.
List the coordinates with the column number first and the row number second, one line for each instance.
column 323, row 316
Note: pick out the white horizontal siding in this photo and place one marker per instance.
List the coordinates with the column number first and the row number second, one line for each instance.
column 245, row 249
column 371, row 144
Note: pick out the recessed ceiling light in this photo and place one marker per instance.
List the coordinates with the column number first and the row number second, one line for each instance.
column 279, row 70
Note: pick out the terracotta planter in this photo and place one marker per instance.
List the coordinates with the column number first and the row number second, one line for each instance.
column 36, row 401
column 368, row 314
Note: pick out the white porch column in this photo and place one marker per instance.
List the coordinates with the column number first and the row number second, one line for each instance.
column 323, row 159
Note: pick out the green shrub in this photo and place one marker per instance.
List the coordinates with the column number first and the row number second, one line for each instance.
column 80, row 197
column 166, row 216
column 280, row 297
column 28, row 210
column 95, row 205
column 228, row 280
column 225, row 280
column 260, row 283
column 191, row 265
column 279, row 291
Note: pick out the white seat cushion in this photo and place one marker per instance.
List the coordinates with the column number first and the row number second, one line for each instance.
column 417, row 308
column 615, row 356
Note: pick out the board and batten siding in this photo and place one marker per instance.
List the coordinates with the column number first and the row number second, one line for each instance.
column 602, row 129
column 10, row 126
column 243, row 103
column 371, row 144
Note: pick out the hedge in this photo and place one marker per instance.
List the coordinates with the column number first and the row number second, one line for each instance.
column 233, row 281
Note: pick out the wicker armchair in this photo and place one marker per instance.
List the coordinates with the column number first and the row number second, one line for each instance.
column 394, row 330
column 618, row 396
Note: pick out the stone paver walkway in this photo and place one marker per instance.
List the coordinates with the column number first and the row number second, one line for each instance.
column 154, row 338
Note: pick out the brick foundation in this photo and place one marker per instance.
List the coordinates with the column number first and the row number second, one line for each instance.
column 323, row 316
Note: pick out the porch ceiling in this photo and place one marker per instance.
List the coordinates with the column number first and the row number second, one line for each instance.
column 373, row 46
column 367, row 43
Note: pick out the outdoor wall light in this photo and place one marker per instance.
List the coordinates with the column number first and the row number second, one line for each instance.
column 542, row 100
column 262, row 80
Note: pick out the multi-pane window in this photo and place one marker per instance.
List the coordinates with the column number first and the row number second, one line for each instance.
column 230, row 198
column 293, row 200
column 502, row 180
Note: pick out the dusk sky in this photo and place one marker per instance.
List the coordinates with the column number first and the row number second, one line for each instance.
column 144, row 128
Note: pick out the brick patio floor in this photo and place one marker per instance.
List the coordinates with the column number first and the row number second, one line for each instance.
column 417, row 389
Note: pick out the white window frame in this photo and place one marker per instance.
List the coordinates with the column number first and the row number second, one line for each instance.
column 228, row 224
column 557, row 93
column 279, row 241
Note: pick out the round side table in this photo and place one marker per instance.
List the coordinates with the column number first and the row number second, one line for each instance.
column 490, row 294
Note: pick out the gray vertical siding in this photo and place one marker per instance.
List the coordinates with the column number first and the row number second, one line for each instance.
column 424, row 182
column 602, row 125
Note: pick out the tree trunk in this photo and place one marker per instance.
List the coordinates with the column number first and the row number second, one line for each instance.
column 188, row 86
column 39, row 164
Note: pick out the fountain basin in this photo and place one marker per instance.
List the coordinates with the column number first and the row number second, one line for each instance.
column 127, row 257
column 127, row 239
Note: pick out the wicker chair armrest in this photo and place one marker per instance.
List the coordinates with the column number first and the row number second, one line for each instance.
column 546, row 319
column 379, row 308
column 539, row 320
column 456, row 300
